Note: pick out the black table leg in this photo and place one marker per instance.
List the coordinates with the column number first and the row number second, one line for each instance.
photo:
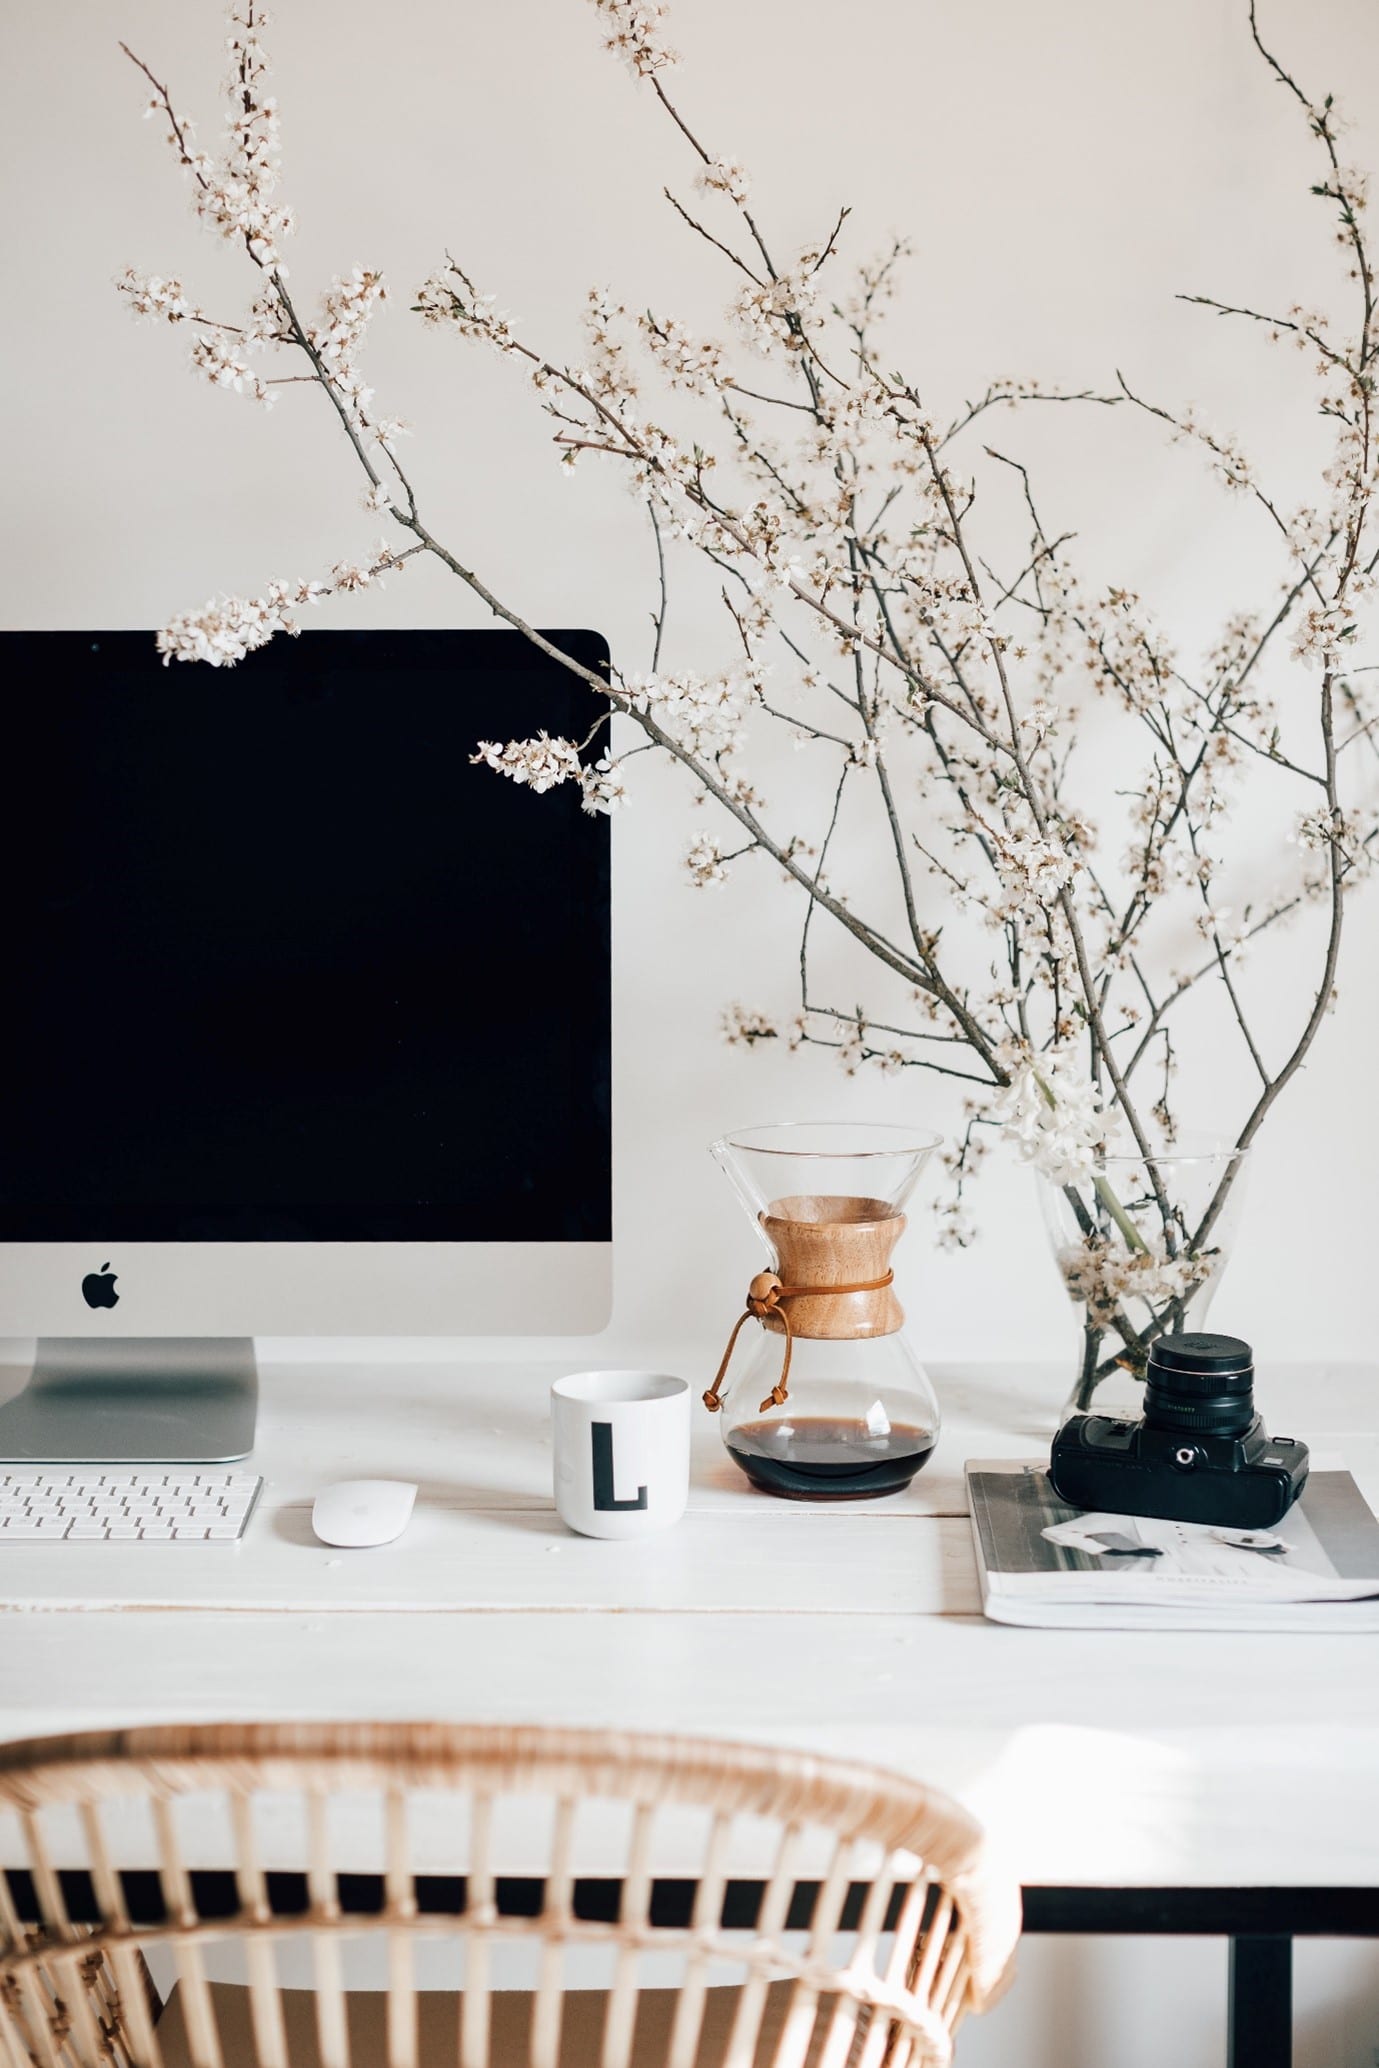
column 1261, row 2003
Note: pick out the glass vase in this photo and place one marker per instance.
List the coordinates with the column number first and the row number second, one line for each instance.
column 826, row 1401
column 1141, row 1244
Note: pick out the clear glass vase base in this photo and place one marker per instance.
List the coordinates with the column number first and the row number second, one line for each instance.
column 1141, row 1245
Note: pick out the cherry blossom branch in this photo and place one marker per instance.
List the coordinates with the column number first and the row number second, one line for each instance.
column 1105, row 1051
column 842, row 536
column 1274, row 324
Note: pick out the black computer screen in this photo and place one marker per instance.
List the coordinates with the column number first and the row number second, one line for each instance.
column 279, row 964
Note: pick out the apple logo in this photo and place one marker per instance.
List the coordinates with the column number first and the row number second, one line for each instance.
column 98, row 1287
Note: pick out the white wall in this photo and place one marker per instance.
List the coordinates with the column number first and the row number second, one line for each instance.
column 1064, row 171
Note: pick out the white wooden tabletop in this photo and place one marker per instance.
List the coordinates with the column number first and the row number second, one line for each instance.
column 1096, row 1758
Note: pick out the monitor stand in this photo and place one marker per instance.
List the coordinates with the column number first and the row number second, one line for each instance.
column 176, row 1400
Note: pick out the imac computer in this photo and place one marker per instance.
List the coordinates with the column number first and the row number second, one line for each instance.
column 305, row 1021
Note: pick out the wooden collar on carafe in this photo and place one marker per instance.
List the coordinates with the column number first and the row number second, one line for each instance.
column 767, row 1297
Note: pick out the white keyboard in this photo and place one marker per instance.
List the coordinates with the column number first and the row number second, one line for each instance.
column 126, row 1504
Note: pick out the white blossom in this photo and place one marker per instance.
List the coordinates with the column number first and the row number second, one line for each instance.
column 603, row 786
column 704, row 712
column 1034, row 870
column 704, row 861
column 234, row 194
column 540, row 764
column 1353, row 183
column 1054, row 1117
column 725, row 176
column 447, row 296
column 1039, row 719
column 267, row 323
column 780, row 311
column 226, row 628
column 338, row 336
column 1316, row 830
column 1212, row 921
column 1103, row 1275
column 688, row 362
column 1322, row 630
column 852, row 1048
column 956, row 1229
column 214, row 356
column 148, row 294
column 744, row 1028
column 633, row 33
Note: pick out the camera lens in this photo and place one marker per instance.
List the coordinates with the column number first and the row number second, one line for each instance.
column 1199, row 1383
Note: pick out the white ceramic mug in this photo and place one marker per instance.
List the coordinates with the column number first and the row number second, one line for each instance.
column 621, row 1442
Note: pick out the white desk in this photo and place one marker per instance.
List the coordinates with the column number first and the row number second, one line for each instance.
column 1101, row 1760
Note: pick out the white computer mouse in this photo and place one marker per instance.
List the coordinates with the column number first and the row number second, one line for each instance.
column 362, row 1512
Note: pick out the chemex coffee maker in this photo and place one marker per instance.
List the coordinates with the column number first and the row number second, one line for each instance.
column 831, row 1403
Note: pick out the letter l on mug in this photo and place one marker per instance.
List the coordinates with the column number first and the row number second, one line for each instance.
column 620, row 1444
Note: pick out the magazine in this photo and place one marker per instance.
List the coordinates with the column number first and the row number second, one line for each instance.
column 1045, row 1564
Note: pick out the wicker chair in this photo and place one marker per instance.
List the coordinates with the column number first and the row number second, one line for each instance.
column 875, row 1931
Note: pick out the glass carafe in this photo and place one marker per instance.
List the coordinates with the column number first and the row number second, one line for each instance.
column 829, row 1402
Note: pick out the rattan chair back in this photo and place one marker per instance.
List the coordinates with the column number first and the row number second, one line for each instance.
column 734, row 1905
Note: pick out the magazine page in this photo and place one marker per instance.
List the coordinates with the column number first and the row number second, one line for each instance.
column 1032, row 1546
column 1215, row 1613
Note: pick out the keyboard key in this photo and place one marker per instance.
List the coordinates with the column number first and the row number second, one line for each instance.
column 137, row 1504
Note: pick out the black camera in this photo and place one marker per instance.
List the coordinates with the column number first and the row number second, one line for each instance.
column 1200, row 1454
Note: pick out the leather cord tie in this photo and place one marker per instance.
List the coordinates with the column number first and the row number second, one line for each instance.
column 767, row 1296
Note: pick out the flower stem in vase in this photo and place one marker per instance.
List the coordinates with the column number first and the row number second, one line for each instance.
column 1123, row 1244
